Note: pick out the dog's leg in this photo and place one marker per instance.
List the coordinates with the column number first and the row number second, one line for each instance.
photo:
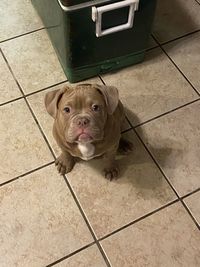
column 111, row 169
column 65, row 163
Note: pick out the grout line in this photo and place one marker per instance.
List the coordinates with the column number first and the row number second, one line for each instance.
column 35, row 92
column 70, row 255
column 40, row 128
column 197, row 2
column 191, row 193
column 127, row 130
column 178, row 68
column 165, row 113
column 102, row 80
column 20, row 35
column 71, row 190
column 26, row 173
column 151, row 48
column 30, row 94
column 161, row 115
column 109, row 263
column 127, row 119
column 139, row 219
column 175, row 39
column 87, row 222
column 134, row 128
column 45, row 88
column 12, row 100
column 189, row 212
column 11, row 71
column 184, row 205
column 28, row 105
column 99, row 77
column 166, row 178
column 69, row 186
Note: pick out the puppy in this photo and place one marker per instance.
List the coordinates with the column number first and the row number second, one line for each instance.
column 87, row 124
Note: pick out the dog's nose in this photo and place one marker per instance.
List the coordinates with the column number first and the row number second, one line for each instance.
column 83, row 122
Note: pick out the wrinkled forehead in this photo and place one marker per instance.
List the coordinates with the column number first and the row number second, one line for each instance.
column 82, row 96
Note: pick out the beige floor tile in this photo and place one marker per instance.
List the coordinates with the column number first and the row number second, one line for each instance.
column 167, row 238
column 17, row 17
column 174, row 142
column 186, row 54
column 109, row 205
column 151, row 88
column 8, row 87
column 36, row 102
column 193, row 203
column 46, row 121
column 175, row 18
column 90, row 257
column 22, row 145
column 33, row 61
column 40, row 221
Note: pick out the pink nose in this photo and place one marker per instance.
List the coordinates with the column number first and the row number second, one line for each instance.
column 83, row 122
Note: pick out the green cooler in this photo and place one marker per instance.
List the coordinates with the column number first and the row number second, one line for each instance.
column 94, row 37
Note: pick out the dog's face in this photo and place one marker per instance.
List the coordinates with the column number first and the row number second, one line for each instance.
column 81, row 112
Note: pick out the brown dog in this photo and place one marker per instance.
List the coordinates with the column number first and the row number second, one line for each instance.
column 88, row 120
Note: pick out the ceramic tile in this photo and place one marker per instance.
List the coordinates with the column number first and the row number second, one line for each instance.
column 151, row 88
column 175, row 18
column 40, row 221
column 90, row 257
column 22, row 145
column 185, row 53
column 46, row 121
column 110, row 205
column 33, row 61
column 8, row 86
column 193, row 204
column 167, row 238
column 174, row 142
column 36, row 102
column 17, row 17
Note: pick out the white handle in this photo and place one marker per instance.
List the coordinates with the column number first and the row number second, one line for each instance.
column 98, row 11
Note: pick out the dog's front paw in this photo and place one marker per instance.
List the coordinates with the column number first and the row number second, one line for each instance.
column 64, row 164
column 111, row 172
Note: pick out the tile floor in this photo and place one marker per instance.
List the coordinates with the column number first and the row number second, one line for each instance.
column 148, row 217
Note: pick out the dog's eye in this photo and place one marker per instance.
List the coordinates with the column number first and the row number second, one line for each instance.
column 95, row 107
column 67, row 109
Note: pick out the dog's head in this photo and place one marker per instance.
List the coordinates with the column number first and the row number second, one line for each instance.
column 81, row 112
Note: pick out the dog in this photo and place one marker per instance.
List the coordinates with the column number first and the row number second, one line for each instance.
column 87, row 124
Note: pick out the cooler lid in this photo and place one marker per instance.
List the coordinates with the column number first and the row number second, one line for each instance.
column 77, row 4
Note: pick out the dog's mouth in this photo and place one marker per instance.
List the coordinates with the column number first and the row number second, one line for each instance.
column 84, row 137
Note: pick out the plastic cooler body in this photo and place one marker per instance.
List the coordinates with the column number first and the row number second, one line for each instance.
column 74, row 32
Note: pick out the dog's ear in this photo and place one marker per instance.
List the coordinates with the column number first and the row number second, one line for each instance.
column 111, row 96
column 52, row 99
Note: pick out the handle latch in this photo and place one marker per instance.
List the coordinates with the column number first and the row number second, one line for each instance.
column 97, row 13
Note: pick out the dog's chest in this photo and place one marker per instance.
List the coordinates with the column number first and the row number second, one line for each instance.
column 87, row 150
